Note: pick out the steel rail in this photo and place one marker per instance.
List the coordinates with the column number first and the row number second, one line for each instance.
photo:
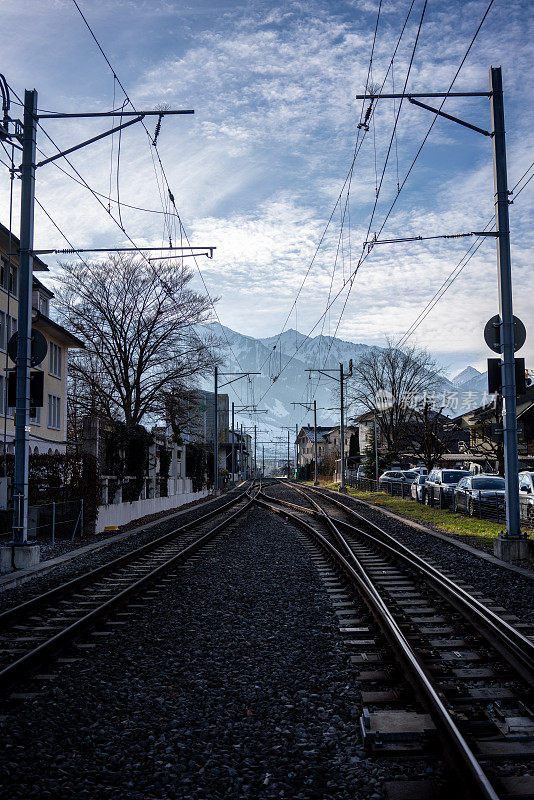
column 33, row 603
column 478, row 781
column 34, row 657
column 516, row 648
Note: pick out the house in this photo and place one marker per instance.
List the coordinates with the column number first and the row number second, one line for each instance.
column 483, row 438
column 333, row 439
column 306, row 444
column 48, row 425
column 366, row 427
column 328, row 443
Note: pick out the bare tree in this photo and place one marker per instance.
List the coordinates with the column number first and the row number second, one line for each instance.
column 137, row 322
column 390, row 382
column 429, row 434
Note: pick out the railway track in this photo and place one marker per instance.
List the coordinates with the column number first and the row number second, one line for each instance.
column 441, row 670
column 33, row 631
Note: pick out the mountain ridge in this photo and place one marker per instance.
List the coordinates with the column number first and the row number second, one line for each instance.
column 286, row 384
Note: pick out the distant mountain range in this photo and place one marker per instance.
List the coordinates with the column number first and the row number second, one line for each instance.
column 283, row 362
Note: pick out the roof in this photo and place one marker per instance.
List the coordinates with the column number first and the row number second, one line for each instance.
column 36, row 283
column 365, row 417
column 41, row 321
column 307, row 430
column 38, row 265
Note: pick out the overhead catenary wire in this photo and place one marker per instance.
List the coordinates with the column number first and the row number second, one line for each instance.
column 356, row 149
column 365, row 256
column 419, row 149
column 378, row 187
column 424, row 139
column 154, row 149
column 348, row 179
column 458, row 268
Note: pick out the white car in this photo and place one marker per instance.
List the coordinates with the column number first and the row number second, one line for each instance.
column 417, row 488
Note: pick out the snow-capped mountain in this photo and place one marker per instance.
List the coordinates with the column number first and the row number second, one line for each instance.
column 283, row 362
column 472, row 381
column 466, row 375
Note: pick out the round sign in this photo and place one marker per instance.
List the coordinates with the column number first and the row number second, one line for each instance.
column 39, row 348
column 492, row 334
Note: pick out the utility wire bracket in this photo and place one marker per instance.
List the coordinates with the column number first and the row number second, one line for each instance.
column 449, row 116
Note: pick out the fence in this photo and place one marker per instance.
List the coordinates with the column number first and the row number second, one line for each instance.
column 48, row 522
column 481, row 504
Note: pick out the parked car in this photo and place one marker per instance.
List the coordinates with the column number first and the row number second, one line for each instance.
column 526, row 496
column 420, row 470
column 417, row 488
column 396, row 478
column 478, row 491
column 410, row 474
column 441, row 483
column 393, row 476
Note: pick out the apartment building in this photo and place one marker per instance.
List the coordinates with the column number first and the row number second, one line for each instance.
column 48, row 425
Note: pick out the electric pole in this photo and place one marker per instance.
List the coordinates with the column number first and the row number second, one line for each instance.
column 342, row 488
column 315, row 482
column 288, row 459
column 233, row 447
column 504, row 270
column 216, row 431
column 27, row 205
column 240, row 375
column 25, row 134
column 342, row 378
column 376, row 453
column 307, row 407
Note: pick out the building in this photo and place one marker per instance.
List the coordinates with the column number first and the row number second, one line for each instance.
column 306, row 444
column 482, row 428
column 48, row 425
column 328, row 443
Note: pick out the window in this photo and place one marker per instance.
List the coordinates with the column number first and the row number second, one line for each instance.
column 54, row 360
column 35, row 416
column 9, row 277
column 8, row 326
column 43, row 305
column 8, row 412
column 54, row 411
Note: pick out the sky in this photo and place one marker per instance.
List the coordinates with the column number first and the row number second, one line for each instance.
column 258, row 169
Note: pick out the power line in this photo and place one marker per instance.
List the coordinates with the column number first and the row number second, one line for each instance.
column 348, row 179
column 363, row 257
column 393, row 137
column 418, row 151
column 449, row 280
column 152, row 144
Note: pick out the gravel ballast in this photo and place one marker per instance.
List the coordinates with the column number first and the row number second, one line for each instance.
column 506, row 588
column 42, row 582
column 233, row 682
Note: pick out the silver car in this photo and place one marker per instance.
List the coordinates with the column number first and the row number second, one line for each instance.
column 526, row 496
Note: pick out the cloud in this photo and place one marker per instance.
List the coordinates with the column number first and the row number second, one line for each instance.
column 257, row 170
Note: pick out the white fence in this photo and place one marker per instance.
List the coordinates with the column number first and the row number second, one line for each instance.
column 122, row 513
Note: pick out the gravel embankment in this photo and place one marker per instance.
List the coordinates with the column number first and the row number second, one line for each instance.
column 512, row 591
column 85, row 562
column 233, row 683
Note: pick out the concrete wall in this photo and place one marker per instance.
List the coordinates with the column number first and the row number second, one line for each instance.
column 123, row 513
